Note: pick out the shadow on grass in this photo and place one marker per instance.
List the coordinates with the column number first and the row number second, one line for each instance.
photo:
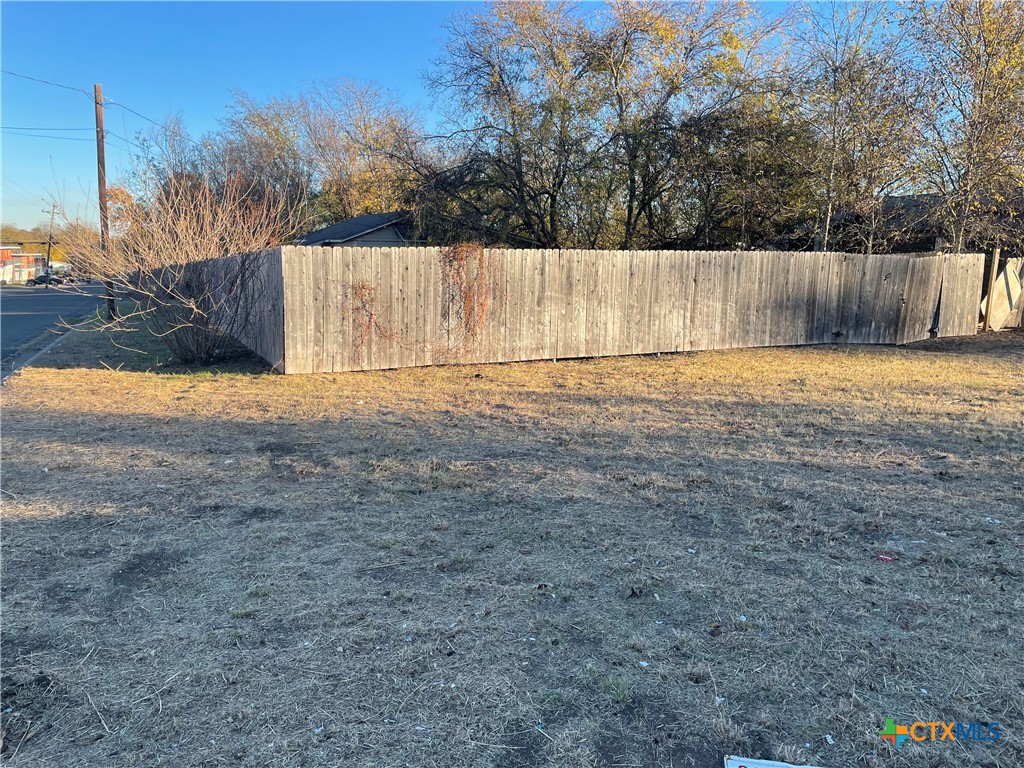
column 526, row 579
column 1008, row 343
column 136, row 348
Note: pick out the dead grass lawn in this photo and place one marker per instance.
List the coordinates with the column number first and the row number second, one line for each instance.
column 629, row 562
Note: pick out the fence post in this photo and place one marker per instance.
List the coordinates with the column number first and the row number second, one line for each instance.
column 992, row 272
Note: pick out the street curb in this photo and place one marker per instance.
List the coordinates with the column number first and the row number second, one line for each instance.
column 4, row 375
column 16, row 366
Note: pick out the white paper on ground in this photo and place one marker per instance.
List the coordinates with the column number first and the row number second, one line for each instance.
column 731, row 761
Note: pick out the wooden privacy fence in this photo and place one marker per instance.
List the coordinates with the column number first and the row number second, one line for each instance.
column 352, row 309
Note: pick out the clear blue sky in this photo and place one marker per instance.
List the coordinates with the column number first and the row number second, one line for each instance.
column 186, row 58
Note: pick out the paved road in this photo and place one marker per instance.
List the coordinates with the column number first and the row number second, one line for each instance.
column 25, row 313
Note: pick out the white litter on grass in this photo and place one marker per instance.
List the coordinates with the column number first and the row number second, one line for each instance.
column 731, row 761
column 829, row 740
column 644, row 664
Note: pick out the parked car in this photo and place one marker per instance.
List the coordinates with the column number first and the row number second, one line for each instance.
column 45, row 279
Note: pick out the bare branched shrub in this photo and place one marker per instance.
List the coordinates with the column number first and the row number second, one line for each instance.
column 188, row 246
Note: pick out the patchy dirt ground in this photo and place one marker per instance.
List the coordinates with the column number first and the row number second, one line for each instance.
column 622, row 562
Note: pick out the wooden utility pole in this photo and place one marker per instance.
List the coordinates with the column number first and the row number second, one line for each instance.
column 49, row 237
column 101, row 173
column 992, row 272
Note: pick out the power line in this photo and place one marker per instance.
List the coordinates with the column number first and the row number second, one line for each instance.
column 112, row 103
column 26, row 128
column 111, row 134
column 106, row 101
column 162, row 126
column 46, row 82
column 44, row 136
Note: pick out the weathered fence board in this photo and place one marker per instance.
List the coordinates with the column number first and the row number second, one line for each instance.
column 344, row 309
column 263, row 330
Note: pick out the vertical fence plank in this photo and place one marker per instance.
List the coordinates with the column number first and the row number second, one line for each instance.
column 531, row 316
column 794, row 300
column 915, row 274
column 673, row 300
column 330, row 279
column 974, row 270
column 376, row 316
column 548, row 299
column 606, row 279
column 828, row 299
column 614, row 280
column 926, row 297
column 663, row 301
column 347, row 356
column 484, row 309
column 542, row 323
column 365, row 304
column 418, row 315
column 746, row 267
column 806, row 293
column 391, row 321
column 733, row 292
column 514, row 309
column 565, row 276
column 580, row 283
column 293, row 311
column 399, row 293
column 836, row 287
column 871, row 289
column 430, row 262
column 315, row 308
column 776, row 296
column 630, row 289
column 693, row 294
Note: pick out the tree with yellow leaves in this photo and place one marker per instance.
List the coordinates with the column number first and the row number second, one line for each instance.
column 970, row 140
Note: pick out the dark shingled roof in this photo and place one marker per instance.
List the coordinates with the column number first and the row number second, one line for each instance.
column 350, row 229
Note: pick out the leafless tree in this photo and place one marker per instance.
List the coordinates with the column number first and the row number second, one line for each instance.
column 189, row 236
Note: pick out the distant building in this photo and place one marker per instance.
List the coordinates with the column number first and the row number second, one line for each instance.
column 18, row 267
column 915, row 223
column 370, row 230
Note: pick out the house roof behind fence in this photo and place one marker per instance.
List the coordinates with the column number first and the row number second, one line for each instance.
column 350, row 229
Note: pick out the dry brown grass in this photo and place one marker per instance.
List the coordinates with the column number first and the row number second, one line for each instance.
column 632, row 561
